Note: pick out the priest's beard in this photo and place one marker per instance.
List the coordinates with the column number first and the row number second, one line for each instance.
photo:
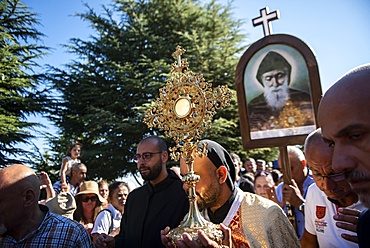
column 209, row 197
column 276, row 96
column 155, row 170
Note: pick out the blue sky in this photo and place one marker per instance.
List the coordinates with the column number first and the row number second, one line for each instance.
column 337, row 30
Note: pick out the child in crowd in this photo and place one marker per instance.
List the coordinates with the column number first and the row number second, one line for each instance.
column 73, row 154
column 104, row 189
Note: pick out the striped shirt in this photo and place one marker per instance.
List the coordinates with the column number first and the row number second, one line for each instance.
column 54, row 231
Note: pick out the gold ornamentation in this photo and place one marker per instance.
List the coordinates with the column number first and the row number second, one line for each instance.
column 291, row 116
column 184, row 110
column 186, row 105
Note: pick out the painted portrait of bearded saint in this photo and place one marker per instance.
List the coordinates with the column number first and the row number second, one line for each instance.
column 279, row 106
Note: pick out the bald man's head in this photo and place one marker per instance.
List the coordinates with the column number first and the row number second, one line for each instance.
column 19, row 195
column 315, row 144
column 18, row 178
column 18, row 174
column 350, row 93
column 344, row 116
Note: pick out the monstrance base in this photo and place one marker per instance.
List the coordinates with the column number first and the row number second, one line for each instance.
column 211, row 230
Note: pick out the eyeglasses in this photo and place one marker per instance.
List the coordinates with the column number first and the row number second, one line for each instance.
column 146, row 156
column 87, row 198
column 334, row 177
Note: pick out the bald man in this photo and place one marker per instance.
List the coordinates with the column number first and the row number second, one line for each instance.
column 295, row 193
column 323, row 199
column 29, row 224
column 78, row 176
column 344, row 116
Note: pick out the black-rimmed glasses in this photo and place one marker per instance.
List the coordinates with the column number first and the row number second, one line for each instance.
column 334, row 177
column 146, row 156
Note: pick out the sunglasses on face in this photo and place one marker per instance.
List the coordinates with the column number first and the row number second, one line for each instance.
column 87, row 198
column 146, row 156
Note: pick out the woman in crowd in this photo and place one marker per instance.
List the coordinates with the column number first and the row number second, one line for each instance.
column 89, row 204
column 265, row 186
column 104, row 191
column 108, row 221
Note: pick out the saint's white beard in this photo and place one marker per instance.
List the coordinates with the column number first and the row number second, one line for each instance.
column 276, row 97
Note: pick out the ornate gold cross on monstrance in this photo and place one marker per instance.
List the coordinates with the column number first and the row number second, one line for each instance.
column 184, row 110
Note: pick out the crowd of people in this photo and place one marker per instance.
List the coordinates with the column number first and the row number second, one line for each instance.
column 328, row 194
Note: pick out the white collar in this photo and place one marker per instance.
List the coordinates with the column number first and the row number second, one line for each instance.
column 234, row 207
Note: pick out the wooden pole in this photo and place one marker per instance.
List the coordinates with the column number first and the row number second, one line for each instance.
column 287, row 178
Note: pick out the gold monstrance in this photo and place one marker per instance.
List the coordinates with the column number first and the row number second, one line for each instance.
column 184, row 110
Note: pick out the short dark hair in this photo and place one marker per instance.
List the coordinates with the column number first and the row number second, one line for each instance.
column 77, row 166
column 160, row 142
column 116, row 185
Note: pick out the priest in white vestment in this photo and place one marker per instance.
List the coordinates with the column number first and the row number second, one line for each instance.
column 254, row 221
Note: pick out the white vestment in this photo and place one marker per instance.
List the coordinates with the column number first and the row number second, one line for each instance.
column 260, row 221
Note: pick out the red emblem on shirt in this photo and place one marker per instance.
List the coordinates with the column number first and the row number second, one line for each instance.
column 320, row 212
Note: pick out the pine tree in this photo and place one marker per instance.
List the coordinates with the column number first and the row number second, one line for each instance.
column 105, row 92
column 20, row 93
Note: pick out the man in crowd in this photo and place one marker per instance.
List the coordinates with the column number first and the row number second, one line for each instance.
column 159, row 203
column 295, row 193
column 78, row 175
column 250, row 165
column 274, row 74
column 254, row 221
column 261, row 165
column 244, row 183
column 345, row 123
column 29, row 224
column 329, row 192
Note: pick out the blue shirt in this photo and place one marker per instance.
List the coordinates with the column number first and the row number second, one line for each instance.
column 54, row 231
column 299, row 217
column 72, row 189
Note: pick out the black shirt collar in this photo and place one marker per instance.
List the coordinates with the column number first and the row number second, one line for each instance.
column 171, row 177
column 220, row 214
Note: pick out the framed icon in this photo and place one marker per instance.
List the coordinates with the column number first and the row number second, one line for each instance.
column 278, row 90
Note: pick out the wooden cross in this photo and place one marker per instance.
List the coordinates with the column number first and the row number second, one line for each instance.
column 265, row 19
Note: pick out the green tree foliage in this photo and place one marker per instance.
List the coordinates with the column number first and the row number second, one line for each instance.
column 20, row 94
column 104, row 93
